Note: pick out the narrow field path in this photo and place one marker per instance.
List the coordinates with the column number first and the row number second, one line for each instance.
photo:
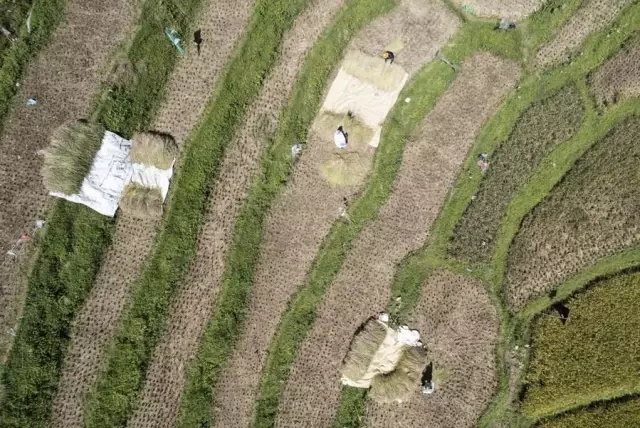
column 303, row 214
column 64, row 79
column 190, row 86
column 192, row 309
column 459, row 326
column 430, row 164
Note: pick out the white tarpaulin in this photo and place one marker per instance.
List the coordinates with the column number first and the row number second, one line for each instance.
column 110, row 172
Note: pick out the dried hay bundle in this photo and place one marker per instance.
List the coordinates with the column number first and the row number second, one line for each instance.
column 373, row 70
column 399, row 385
column 153, row 149
column 363, row 348
column 345, row 169
column 142, row 202
column 68, row 159
column 358, row 134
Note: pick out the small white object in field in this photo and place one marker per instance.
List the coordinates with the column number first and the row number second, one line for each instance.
column 409, row 337
column 517, row 347
column 339, row 139
column 40, row 224
column 384, row 317
column 295, row 150
column 398, row 299
column 406, row 100
column 429, row 389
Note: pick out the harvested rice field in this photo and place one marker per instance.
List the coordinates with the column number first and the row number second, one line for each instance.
column 305, row 213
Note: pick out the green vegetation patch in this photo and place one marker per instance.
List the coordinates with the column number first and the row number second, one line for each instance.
column 614, row 414
column 77, row 237
column 223, row 329
column 592, row 213
column 143, row 324
column 593, row 356
column 538, row 130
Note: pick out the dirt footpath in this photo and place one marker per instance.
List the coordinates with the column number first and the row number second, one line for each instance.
column 361, row 289
column 192, row 308
column 187, row 93
column 64, row 79
column 459, row 326
column 302, row 215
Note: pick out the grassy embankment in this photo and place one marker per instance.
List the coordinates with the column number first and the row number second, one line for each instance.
column 77, row 237
column 114, row 399
column 226, row 323
column 608, row 414
column 14, row 56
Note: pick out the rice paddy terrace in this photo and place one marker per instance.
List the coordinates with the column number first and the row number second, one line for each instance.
column 319, row 213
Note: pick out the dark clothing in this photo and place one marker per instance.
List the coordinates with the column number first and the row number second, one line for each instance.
column 388, row 56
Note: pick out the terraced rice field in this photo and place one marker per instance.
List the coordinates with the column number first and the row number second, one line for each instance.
column 238, row 306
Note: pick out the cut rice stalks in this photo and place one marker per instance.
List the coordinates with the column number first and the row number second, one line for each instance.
column 153, row 149
column 142, row 202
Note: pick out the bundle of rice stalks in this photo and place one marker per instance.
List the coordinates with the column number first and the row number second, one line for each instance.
column 68, row 159
column 345, row 169
column 358, row 134
column 153, row 149
column 142, row 202
column 362, row 350
column 373, row 70
column 399, row 385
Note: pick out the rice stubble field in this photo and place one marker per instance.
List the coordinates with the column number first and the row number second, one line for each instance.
column 362, row 286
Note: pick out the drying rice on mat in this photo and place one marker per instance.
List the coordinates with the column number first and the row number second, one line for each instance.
column 153, row 149
column 399, row 385
column 69, row 157
column 142, row 202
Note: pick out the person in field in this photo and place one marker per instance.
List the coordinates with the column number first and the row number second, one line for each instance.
column 388, row 56
column 340, row 138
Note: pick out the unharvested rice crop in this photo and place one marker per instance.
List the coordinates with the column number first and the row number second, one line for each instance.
column 160, row 398
column 592, row 213
column 68, row 159
column 142, row 202
column 188, row 90
column 593, row 15
column 300, row 218
column 363, row 348
column 619, row 77
column 430, row 163
column 402, row 383
column 65, row 76
column 511, row 9
column 373, row 70
column 459, row 327
column 593, row 356
column 539, row 129
column 153, row 149
column 614, row 414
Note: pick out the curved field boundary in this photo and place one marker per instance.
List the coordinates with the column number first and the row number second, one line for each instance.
column 115, row 397
column 514, row 9
column 45, row 18
column 577, row 363
column 63, row 94
column 228, row 319
column 189, row 88
column 459, row 325
column 192, row 307
column 623, row 412
column 593, row 16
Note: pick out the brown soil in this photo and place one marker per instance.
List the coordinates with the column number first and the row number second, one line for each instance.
column 430, row 164
column 63, row 79
column 619, row 77
column 188, row 91
column 192, row 309
column 459, row 327
column 594, row 15
column 301, row 217
column 511, row 9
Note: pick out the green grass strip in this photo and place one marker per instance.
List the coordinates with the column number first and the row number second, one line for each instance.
column 45, row 18
column 624, row 412
column 76, row 237
column 117, row 391
column 226, row 324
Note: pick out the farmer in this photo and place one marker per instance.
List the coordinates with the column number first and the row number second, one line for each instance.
column 340, row 138
column 388, row 56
